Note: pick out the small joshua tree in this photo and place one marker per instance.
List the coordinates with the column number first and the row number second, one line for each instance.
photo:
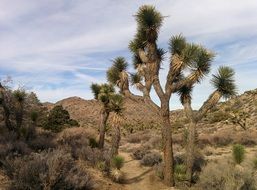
column 117, row 108
column 105, row 94
column 19, row 97
column 224, row 86
column 4, row 104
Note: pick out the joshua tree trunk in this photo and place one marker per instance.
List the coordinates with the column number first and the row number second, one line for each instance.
column 102, row 127
column 190, row 149
column 7, row 117
column 115, row 140
column 6, row 109
column 167, row 145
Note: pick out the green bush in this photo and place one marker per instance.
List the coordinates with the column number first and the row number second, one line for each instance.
column 58, row 119
column 238, row 153
column 118, row 162
column 180, row 172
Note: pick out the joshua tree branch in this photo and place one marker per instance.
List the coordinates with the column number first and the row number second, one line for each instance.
column 209, row 104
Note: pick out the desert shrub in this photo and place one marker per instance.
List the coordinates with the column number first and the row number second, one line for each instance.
column 247, row 138
column 44, row 140
column 93, row 155
column 140, row 152
column 223, row 175
column 49, row 170
column 58, row 119
column 180, row 172
column 118, row 162
column 222, row 139
column 154, row 142
column 238, row 153
column 151, row 159
column 77, row 141
column 139, row 137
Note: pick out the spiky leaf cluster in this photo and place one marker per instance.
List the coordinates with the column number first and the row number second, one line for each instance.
column 116, row 103
column 149, row 21
column 113, row 73
column 135, row 78
column 19, row 95
column 106, row 94
column 185, row 94
column 224, row 81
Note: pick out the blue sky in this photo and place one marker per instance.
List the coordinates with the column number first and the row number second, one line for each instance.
column 57, row 48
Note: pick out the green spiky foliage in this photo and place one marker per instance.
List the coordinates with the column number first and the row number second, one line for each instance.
column 185, row 94
column 177, row 44
column 105, row 93
column 135, row 78
column 114, row 72
column 95, row 88
column 116, row 103
column 195, row 57
column 224, row 81
column 19, row 95
column 149, row 22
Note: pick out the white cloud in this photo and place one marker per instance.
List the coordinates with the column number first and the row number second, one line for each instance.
column 69, row 44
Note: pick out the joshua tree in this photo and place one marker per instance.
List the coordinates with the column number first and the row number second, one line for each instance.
column 148, row 57
column 3, row 103
column 105, row 94
column 117, row 75
column 117, row 108
column 19, row 96
column 224, row 85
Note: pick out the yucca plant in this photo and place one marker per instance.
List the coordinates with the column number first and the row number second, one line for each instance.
column 238, row 153
column 111, row 102
column 19, row 96
column 224, row 86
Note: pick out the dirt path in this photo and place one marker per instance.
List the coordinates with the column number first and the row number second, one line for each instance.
column 139, row 177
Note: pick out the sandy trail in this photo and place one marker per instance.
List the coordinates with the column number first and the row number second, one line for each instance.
column 139, row 177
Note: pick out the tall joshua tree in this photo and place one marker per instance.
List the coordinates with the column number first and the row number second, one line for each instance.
column 105, row 93
column 148, row 57
column 224, row 86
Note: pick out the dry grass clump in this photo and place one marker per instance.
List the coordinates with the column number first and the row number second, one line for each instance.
column 42, row 141
column 223, row 175
column 139, row 137
column 227, row 137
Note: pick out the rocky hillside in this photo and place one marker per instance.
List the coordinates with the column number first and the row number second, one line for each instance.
column 137, row 113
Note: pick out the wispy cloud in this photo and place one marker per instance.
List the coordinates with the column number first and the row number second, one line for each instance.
column 58, row 48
